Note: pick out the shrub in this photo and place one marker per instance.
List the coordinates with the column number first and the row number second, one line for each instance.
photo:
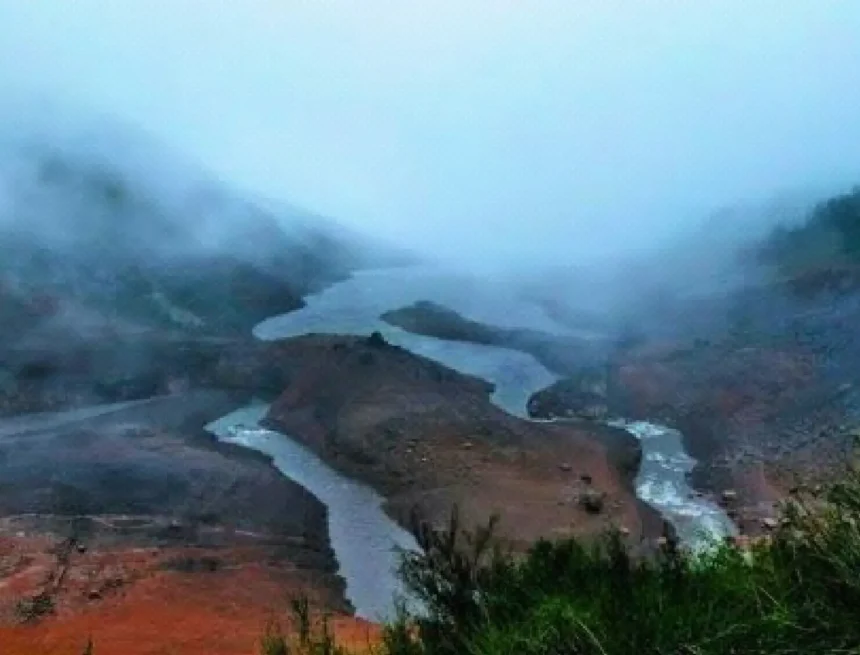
column 797, row 593
column 310, row 639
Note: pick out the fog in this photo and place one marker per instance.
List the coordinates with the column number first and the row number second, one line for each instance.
column 494, row 132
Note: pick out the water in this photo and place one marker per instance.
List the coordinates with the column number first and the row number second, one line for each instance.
column 364, row 538
column 355, row 306
column 362, row 535
column 662, row 483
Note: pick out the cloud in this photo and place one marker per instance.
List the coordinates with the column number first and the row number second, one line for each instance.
column 493, row 131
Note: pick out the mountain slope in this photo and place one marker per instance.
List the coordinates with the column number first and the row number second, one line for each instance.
column 114, row 234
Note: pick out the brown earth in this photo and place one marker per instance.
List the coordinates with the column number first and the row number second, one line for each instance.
column 760, row 420
column 763, row 402
column 428, row 437
column 138, row 528
column 149, row 601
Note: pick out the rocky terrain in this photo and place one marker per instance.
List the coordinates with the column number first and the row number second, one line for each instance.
column 762, row 414
column 761, row 381
column 426, row 436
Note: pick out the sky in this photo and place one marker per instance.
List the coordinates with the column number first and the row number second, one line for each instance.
column 503, row 130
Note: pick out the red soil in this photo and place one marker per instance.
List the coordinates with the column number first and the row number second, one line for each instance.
column 131, row 605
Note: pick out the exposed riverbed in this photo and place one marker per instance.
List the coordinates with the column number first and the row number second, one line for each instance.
column 362, row 535
column 365, row 540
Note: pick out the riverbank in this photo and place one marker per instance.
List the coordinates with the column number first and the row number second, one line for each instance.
column 122, row 521
column 762, row 410
column 426, row 436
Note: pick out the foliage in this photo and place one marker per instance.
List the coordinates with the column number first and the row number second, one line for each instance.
column 31, row 610
column 310, row 637
column 798, row 592
column 831, row 234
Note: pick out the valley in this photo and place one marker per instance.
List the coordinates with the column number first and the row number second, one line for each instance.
column 198, row 436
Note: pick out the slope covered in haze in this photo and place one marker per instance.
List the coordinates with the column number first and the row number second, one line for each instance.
column 99, row 232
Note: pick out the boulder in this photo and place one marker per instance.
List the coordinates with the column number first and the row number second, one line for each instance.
column 769, row 523
column 592, row 501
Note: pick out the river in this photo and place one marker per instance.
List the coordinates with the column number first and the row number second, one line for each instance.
column 363, row 537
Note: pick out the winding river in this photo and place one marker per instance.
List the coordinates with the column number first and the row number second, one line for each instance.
column 363, row 537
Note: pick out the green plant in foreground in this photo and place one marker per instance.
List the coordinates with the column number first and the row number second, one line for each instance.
column 796, row 593
column 311, row 638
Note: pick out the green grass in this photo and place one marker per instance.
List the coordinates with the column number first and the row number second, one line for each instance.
column 800, row 593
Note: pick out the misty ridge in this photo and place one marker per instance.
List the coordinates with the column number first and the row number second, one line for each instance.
column 103, row 225
column 98, row 212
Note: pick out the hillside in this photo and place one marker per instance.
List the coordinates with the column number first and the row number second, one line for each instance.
column 96, row 240
column 126, row 278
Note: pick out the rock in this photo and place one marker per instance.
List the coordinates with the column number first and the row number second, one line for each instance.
column 769, row 523
column 376, row 340
column 729, row 495
column 467, row 445
column 624, row 531
column 592, row 501
column 94, row 594
column 565, row 467
column 586, row 478
column 662, row 542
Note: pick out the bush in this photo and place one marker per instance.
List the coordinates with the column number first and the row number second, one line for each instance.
column 830, row 235
column 799, row 592
column 311, row 638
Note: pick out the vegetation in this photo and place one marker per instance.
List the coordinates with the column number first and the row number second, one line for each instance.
column 796, row 592
column 831, row 234
column 308, row 637
column 31, row 610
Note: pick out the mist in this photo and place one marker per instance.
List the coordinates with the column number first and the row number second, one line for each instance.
column 487, row 134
